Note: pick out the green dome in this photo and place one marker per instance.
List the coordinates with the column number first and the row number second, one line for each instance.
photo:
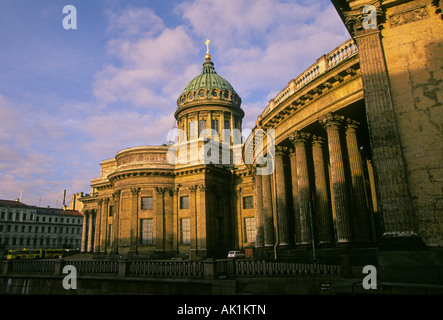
column 208, row 79
column 209, row 88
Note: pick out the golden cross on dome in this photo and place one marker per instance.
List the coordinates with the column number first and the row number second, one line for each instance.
column 207, row 45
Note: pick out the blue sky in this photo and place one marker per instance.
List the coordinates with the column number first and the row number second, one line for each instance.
column 72, row 98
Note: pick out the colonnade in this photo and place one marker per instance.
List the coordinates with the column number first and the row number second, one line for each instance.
column 329, row 195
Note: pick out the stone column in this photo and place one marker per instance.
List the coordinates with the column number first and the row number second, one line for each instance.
column 104, row 225
column 362, row 226
column 90, row 231
column 222, row 126
column 193, row 216
column 323, row 213
column 332, row 125
column 299, row 140
column 238, row 197
column 201, row 220
column 160, row 219
column 175, row 222
column 115, row 223
column 98, row 220
column 259, row 217
column 295, row 196
column 84, row 234
column 282, row 207
column 134, row 220
column 389, row 168
column 267, row 211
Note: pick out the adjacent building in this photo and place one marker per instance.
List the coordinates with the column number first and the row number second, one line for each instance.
column 24, row 226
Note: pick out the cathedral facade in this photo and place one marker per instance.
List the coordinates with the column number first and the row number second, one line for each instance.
column 354, row 143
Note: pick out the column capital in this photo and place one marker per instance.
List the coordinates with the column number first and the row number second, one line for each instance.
column 106, row 200
column 331, row 121
column 203, row 187
column 193, row 188
column 135, row 191
column 280, row 151
column 354, row 18
column 116, row 195
column 160, row 189
column 299, row 137
column 317, row 140
column 351, row 125
column 100, row 201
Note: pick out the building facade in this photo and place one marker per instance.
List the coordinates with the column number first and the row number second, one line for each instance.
column 356, row 158
column 23, row 226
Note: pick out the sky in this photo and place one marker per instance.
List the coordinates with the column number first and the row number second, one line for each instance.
column 71, row 98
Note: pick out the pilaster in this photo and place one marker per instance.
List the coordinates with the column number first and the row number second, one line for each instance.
column 258, row 208
column 389, row 168
column 268, row 211
column 134, row 220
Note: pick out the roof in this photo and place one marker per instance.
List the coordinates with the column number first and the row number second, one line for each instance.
column 208, row 79
column 14, row 204
column 55, row 211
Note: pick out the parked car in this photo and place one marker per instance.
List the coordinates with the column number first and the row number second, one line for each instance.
column 236, row 254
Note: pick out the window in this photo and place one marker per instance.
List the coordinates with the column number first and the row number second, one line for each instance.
column 248, row 202
column 184, row 202
column 146, row 203
column 202, row 125
column 147, row 231
column 250, row 229
column 111, row 211
column 185, row 230
column 192, row 126
column 215, row 125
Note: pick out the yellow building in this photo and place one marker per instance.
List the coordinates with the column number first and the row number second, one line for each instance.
column 354, row 143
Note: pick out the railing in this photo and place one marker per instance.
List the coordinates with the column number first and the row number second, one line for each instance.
column 245, row 268
column 187, row 269
column 95, row 267
column 323, row 64
column 204, row 269
column 32, row 266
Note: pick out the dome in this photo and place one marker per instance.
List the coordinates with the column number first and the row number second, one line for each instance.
column 208, row 79
column 209, row 88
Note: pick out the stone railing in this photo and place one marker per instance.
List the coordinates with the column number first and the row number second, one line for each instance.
column 204, row 269
column 322, row 65
column 245, row 268
column 173, row 269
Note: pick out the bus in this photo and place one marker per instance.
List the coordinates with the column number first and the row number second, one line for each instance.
column 24, row 254
column 35, row 254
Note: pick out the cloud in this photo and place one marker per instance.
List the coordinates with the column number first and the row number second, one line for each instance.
column 262, row 44
column 152, row 62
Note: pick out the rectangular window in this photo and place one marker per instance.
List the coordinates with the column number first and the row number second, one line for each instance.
column 111, row 211
column 215, row 125
column 184, row 202
column 248, row 202
column 147, row 231
column 250, row 229
column 185, row 230
column 146, row 203
column 192, row 127
column 202, row 125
